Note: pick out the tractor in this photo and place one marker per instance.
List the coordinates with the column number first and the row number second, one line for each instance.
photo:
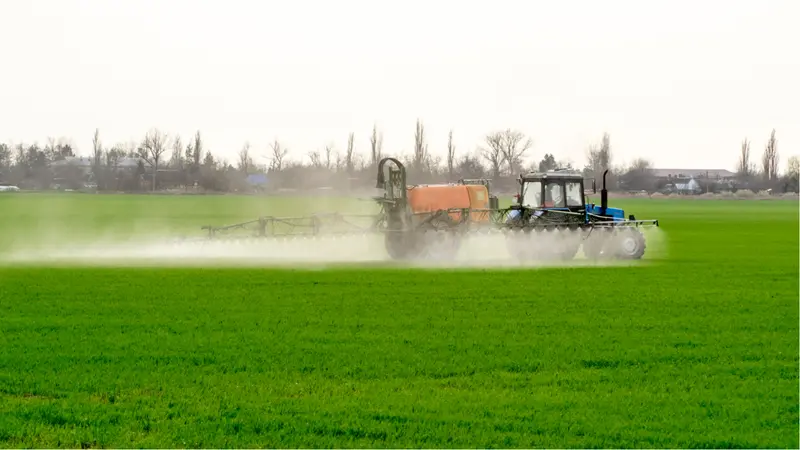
column 552, row 220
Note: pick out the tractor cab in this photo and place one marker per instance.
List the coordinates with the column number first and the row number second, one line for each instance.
column 559, row 190
column 563, row 191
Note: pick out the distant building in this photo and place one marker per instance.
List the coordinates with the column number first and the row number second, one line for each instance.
column 686, row 174
column 690, row 187
column 693, row 181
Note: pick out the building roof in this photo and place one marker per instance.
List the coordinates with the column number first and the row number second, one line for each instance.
column 693, row 173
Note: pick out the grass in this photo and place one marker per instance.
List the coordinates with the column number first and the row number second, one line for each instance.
column 699, row 349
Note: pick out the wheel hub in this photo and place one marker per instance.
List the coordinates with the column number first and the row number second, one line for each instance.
column 629, row 244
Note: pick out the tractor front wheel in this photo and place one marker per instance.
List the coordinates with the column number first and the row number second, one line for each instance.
column 629, row 244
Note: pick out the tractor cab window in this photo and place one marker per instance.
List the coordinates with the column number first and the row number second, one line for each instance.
column 574, row 193
column 554, row 195
column 532, row 194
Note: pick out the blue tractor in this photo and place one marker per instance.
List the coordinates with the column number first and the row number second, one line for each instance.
column 551, row 220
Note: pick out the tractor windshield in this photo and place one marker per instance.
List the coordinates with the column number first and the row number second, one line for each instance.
column 532, row 194
column 574, row 193
column 554, row 195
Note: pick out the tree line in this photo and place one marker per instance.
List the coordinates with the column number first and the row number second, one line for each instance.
column 160, row 161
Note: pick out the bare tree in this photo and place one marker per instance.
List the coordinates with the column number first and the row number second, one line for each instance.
column 376, row 144
column 112, row 164
column 420, row 158
column 278, row 155
column 641, row 165
column 605, row 151
column 19, row 156
column 506, row 147
column 113, row 156
column 153, row 146
column 5, row 155
column 316, row 159
column 451, row 155
column 339, row 164
column 599, row 157
column 793, row 168
column 198, row 148
column 349, row 163
column 492, row 152
column 245, row 161
column 176, row 158
column 769, row 160
column 745, row 168
column 328, row 156
column 189, row 154
column 516, row 144
column 97, row 149
column 380, row 146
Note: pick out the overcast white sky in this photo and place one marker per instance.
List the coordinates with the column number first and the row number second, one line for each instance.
column 680, row 82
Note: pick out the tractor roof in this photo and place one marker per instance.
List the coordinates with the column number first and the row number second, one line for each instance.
column 553, row 174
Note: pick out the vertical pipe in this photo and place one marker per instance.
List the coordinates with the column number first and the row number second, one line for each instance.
column 604, row 195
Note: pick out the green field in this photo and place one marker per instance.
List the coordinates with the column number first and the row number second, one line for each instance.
column 699, row 348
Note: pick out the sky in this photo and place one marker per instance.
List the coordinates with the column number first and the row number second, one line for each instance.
column 678, row 82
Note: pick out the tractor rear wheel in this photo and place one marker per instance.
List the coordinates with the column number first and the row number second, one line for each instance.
column 569, row 242
column 596, row 244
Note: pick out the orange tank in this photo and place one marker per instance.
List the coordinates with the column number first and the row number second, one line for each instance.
column 435, row 197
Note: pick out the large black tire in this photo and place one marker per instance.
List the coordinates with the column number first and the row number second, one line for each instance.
column 401, row 245
column 629, row 244
column 569, row 244
column 594, row 246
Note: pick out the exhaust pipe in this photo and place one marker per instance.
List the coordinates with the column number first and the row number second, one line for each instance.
column 604, row 196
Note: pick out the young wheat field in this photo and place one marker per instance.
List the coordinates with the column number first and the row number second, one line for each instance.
column 694, row 347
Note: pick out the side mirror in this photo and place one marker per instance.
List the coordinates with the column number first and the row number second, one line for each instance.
column 594, row 187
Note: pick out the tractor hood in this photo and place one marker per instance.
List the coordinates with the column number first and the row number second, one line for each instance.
column 616, row 213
